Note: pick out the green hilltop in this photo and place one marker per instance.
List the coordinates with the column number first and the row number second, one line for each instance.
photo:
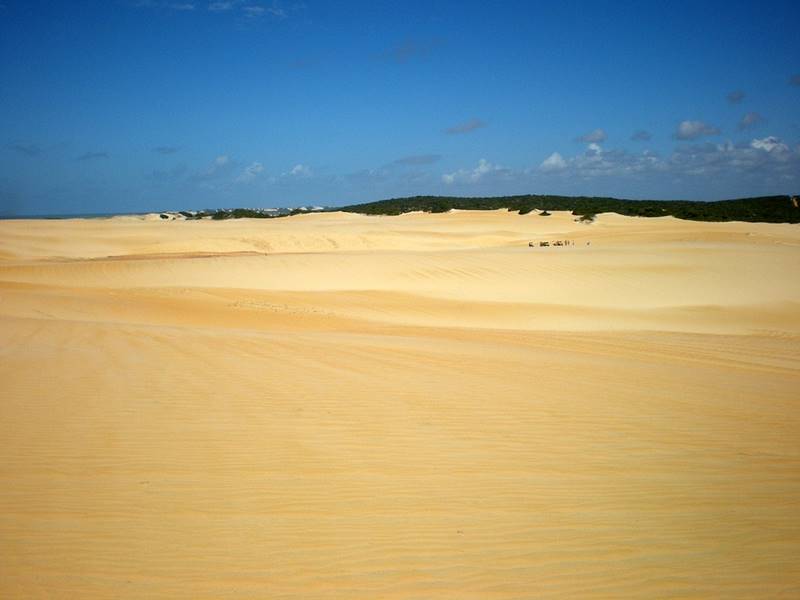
column 767, row 209
column 764, row 209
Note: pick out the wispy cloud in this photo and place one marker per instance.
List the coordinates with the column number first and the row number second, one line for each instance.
column 243, row 10
column 250, row 173
column 165, row 5
column 254, row 10
column 417, row 160
column 299, row 171
column 221, row 166
column 168, row 176
column 736, row 96
column 593, row 137
column 302, row 63
column 641, row 136
column 222, row 6
column 276, row 11
column 794, row 79
column 93, row 156
column 392, row 179
column 26, row 149
column 597, row 161
column 484, row 170
column 410, row 50
column 249, row 9
column 751, row 119
column 166, row 149
column 368, row 177
column 691, row 130
column 465, row 127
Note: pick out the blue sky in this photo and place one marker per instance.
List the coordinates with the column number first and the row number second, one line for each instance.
column 112, row 106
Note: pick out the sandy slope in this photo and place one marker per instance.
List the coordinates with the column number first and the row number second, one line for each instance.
column 342, row 406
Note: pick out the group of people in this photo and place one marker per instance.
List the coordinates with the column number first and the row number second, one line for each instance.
column 555, row 243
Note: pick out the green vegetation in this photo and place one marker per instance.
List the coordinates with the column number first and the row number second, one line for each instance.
column 768, row 209
column 240, row 213
column 249, row 213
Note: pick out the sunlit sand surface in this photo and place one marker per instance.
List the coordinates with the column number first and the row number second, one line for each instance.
column 416, row 407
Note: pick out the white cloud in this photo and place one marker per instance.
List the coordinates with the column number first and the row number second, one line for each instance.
column 300, row 171
column 250, row 172
column 593, row 149
column 767, row 156
column 690, row 130
column 596, row 161
column 764, row 157
column 598, row 135
column 762, row 164
column 484, row 169
column 769, row 144
column 554, row 162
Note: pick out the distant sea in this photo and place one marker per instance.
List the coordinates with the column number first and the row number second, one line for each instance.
column 74, row 216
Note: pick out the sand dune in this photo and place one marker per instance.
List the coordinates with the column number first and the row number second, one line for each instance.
column 344, row 406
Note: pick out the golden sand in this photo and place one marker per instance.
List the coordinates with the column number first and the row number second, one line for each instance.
column 343, row 406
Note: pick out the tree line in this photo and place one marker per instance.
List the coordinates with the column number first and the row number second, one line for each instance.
column 769, row 209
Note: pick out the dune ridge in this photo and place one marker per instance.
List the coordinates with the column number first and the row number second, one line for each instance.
column 346, row 406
